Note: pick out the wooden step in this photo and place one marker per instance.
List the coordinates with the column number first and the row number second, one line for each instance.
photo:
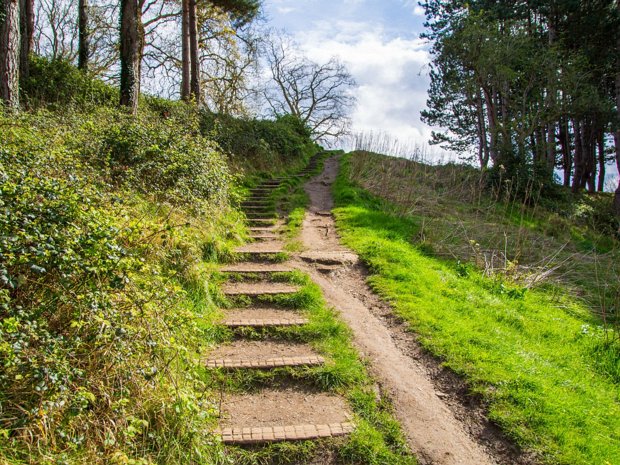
column 256, row 268
column 262, row 221
column 257, row 202
column 260, row 288
column 264, row 322
column 264, row 237
column 266, row 363
column 266, row 206
column 261, row 248
column 263, row 229
column 254, row 215
column 268, row 434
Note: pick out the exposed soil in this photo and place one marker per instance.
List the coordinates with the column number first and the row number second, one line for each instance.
column 443, row 423
column 287, row 406
column 258, row 288
column 261, row 314
column 253, row 267
column 262, row 247
column 253, row 350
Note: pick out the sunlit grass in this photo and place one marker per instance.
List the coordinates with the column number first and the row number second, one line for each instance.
column 531, row 354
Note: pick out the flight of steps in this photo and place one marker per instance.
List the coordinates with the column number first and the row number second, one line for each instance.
column 265, row 228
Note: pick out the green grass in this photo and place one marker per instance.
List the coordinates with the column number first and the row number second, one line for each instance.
column 548, row 373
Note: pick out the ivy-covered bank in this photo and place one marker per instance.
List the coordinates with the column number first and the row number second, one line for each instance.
column 109, row 225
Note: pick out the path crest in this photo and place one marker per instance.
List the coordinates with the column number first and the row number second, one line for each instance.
column 435, row 435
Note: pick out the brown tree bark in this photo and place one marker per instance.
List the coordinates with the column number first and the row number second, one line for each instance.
column 84, row 35
column 131, row 41
column 492, row 117
column 567, row 159
column 185, row 58
column 10, row 42
column 617, row 134
column 194, row 52
column 601, row 160
column 578, row 159
column 27, row 37
column 483, row 146
column 551, row 101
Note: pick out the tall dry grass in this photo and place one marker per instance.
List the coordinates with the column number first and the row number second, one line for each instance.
column 496, row 230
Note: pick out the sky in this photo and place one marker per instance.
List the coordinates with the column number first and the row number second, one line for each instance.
column 380, row 43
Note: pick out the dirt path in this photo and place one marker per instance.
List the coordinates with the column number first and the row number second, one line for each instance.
column 437, row 432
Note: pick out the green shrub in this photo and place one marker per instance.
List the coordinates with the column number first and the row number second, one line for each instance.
column 261, row 144
column 98, row 281
column 58, row 84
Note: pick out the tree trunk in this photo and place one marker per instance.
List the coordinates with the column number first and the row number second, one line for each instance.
column 131, row 38
column 10, row 41
column 567, row 159
column 491, row 116
column 617, row 134
column 84, row 35
column 578, row 160
column 551, row 101
column 185, row 59
column 601, row 160
column 551, row 148
column 483, row 149
column 194, row 52
column 588, row 141
column 27, row 37
column 617, row 142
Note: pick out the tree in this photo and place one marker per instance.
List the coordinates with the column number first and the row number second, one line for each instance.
column 528, row 82
column 27, row 36
column 131, row 46
column 194, row 64
column 185, row 54
column 240, row 11
column 84, row 35
column 10, row 42
column 318, row 94
column 617, row 133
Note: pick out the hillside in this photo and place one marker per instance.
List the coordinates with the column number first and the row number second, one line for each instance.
column 518, row 300
column 109, row 228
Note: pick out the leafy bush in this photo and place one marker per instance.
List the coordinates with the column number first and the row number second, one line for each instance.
column 57, row 83
column 95, row 270
column 261, row 144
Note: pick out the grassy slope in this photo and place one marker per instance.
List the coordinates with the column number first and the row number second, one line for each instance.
column 572, row 244
column 531, row 354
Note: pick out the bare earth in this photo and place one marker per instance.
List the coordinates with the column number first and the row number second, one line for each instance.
column 287, row 406
column 440, row 430
column 258, row 313
column 251, row 350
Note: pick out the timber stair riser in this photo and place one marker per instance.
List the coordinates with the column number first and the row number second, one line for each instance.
column 265, row 323
column 265, row 363
column 269, row 434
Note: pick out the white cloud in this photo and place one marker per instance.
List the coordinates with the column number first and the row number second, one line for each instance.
column 391, row 73
column 416, row 9
column 286, row 9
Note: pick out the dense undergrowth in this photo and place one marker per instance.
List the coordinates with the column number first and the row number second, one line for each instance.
column 543, row 363
column 107, row 227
